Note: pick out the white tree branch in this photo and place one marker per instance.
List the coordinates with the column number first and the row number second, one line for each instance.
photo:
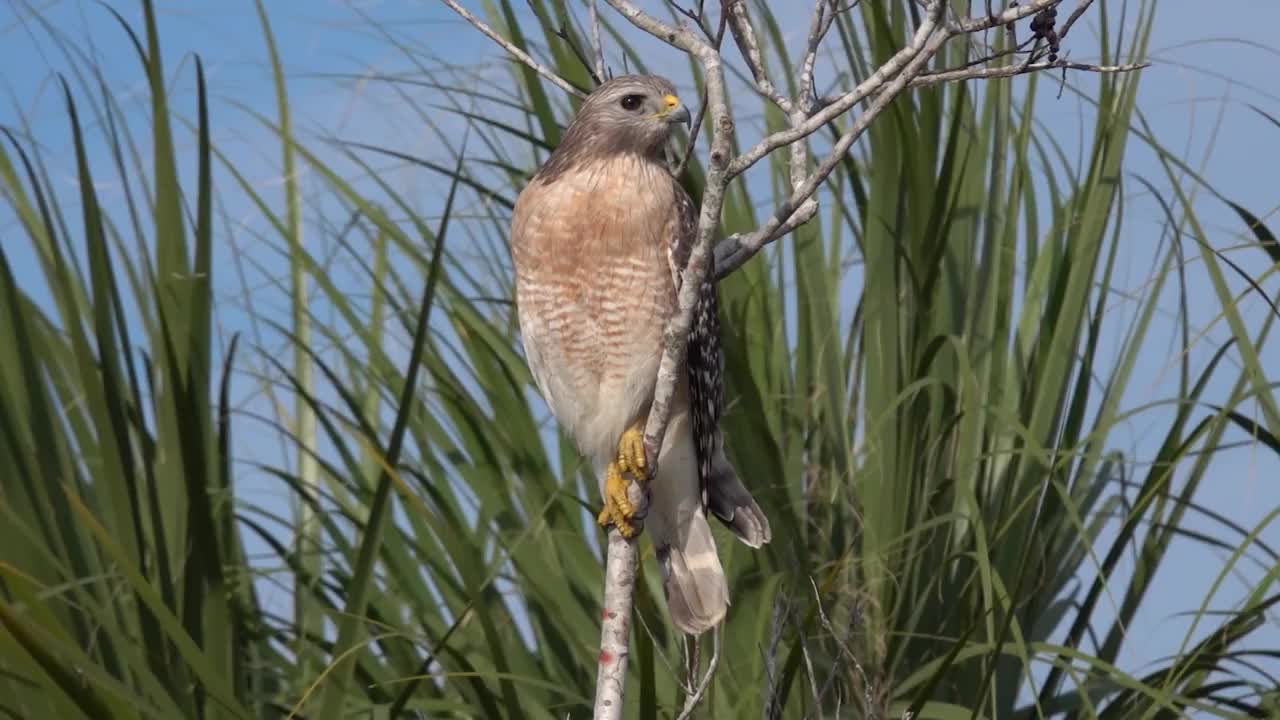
column 817, row 120
column 824, row 13
column 615, row 625
column 744, row 36
column 597, row 47
column 799, row 208
column 905, row 69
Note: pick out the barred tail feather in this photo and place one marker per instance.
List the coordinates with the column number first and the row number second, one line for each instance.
column 696, row 589
column 693, row 580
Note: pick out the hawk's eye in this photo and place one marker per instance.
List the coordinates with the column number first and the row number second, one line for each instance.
column 631, row 102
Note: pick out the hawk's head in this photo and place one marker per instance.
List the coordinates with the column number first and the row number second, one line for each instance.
column 629, row 114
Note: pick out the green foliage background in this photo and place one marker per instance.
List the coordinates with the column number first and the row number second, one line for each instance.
column 948, row 512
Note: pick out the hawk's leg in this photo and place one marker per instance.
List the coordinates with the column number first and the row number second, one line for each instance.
column 630, row 460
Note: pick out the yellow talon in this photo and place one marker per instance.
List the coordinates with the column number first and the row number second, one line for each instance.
column 618, row 509
column 617, row 506
column 631, row 453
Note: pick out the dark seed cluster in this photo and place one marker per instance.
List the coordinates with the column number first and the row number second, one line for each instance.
column 1042, row 25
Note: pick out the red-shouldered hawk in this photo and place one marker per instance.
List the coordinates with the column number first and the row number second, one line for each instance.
column 599, row 238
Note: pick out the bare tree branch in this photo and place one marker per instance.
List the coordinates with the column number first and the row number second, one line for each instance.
column 824, row 13
column 696, row 127
column 597, row 47
column 906, row 70
column 991, row 73
column 739, row 248
column 615, row 625
column 744, row 36
column 696, row 693
column 1012, row 15
column 778, row 619
column 878, row 79
column 514, row 51
column 1081, row 7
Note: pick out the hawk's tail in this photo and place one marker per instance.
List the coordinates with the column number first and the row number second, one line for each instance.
column 696, row 590
column 692, row 577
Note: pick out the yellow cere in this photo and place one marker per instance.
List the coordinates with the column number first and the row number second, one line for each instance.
column 672, row 101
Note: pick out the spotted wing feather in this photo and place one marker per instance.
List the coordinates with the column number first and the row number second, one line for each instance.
column 722, row 490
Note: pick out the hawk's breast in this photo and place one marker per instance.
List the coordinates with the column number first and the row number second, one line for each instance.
column 594, row 290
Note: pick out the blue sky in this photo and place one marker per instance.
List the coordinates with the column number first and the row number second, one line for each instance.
column 1213, row 60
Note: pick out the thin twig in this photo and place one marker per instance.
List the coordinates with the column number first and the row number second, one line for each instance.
column 769, row 699
column 515, row 52
column 597, row 47
column 1004, row 71
column 1013, row 14
column 824, row 12
column 808, row 668
column 799, row 208
column 1081, row 7
column 873, row 84
column 993, row 55
column 696, row 127
column 564, row 34
column 657, row 646
column 744, row 36
column 691, row 702
column 698, row 17
column 845, row 652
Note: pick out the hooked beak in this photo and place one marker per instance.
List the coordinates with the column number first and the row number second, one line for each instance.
column 680, row 115
column 675, row 112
